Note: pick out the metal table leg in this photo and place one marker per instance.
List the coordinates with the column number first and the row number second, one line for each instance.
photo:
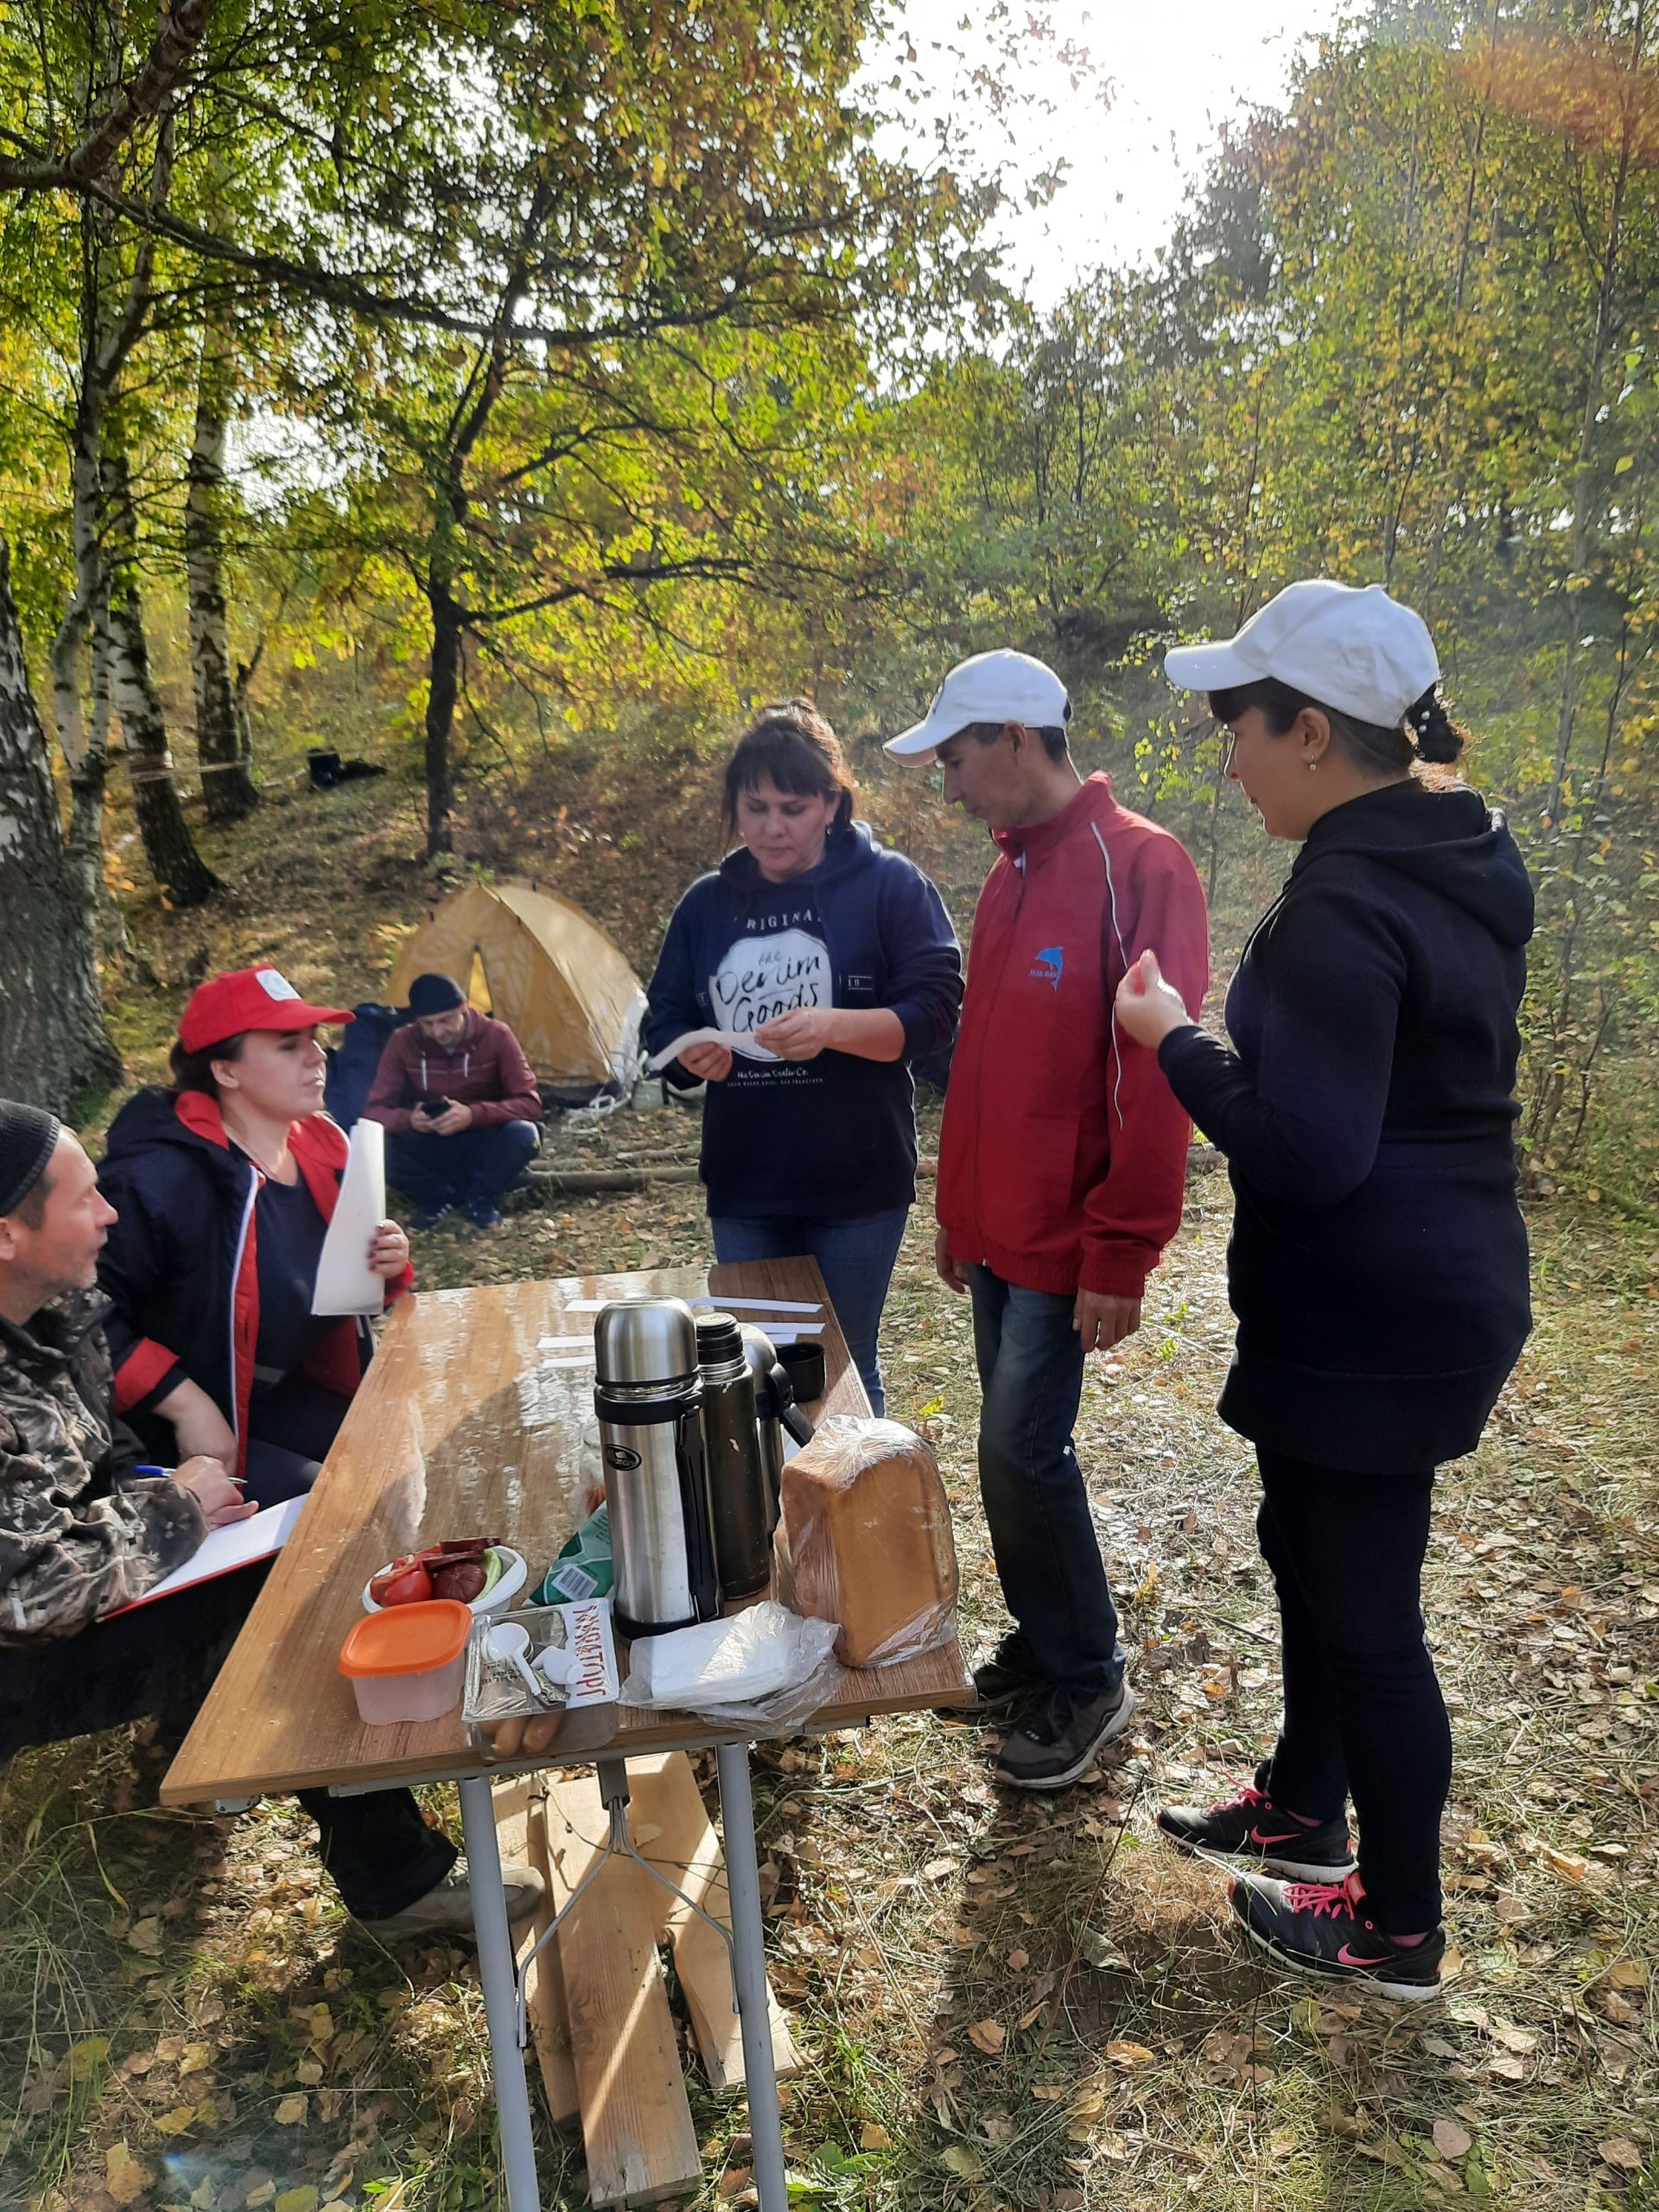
column 495, row 1972
column 749, row 1968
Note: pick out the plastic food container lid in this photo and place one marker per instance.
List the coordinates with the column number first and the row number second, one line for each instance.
column 407, row 1639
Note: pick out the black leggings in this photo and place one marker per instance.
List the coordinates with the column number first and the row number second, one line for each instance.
column 162, row 1659
column 1363, row 1709
column 290, row 1429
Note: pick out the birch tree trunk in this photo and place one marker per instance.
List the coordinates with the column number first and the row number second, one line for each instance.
column 226, row 786
column 183, row 875
column 54, row 1048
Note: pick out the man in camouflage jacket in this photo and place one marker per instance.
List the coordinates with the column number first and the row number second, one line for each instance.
column 80, row 1534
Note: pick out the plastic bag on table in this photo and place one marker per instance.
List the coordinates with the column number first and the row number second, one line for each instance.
column 763, row 1665
column 865, row 1539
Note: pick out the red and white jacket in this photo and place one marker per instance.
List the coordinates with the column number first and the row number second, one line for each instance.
column 1063, row 1157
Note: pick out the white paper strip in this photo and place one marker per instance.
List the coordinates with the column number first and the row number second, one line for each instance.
column 757, row 1305
column 346, row 1284
column 710, row 1303
column 732, row 1040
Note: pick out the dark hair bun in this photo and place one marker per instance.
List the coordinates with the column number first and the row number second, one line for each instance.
column 1434, row 734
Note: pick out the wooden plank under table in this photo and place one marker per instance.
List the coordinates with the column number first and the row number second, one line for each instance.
column 462, row 1427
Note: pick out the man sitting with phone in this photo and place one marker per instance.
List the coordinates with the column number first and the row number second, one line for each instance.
column 83, row 1533
column 460, row 1105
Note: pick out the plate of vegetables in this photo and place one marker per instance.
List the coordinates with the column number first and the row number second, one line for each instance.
column 481, row 1573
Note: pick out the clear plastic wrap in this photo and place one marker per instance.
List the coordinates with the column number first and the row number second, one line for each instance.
column 763, row 1665
column 865, row 1539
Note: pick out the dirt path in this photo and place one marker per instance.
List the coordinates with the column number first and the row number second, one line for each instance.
column 1009, row 2004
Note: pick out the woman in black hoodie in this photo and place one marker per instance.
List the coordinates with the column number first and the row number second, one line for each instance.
column 1378, row 1261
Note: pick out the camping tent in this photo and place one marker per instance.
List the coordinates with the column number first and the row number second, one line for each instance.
column 548, row 970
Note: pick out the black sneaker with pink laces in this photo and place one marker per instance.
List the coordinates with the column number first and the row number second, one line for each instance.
column 1249, row 1825
column 1321, row 1928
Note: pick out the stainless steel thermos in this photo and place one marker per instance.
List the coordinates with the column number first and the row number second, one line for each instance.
column 648, row 1395
column 739, row 1496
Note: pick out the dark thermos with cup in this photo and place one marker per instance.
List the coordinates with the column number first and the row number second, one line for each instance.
column 775, row 1410
column 648, row 1394
column 739, row 1495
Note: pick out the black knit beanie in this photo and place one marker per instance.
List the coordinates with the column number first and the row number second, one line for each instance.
column 434, row 995
column 28, row 1134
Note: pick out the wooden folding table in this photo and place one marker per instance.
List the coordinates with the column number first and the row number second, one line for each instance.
column 469, row 1422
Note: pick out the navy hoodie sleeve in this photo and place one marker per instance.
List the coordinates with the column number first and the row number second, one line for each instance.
column 1302, row 1121
column 924, row 986
column 139, row 1269
column 672, row 993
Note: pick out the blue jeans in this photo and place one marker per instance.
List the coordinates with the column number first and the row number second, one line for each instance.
column 856, row 1259
column 473, row 1168
column 1030, row 1361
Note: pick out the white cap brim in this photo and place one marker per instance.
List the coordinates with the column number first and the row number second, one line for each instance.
column 1209, row 668
column 920, row 742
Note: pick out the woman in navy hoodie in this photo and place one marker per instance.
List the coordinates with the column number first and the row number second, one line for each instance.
column 836, row 957
column 223, row 1188
column 1378, row 1260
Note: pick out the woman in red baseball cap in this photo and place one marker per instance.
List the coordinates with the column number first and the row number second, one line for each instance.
column 224, row 1186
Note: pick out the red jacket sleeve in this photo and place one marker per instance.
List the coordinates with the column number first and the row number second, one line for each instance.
column 385, row 1102
column 520, row 1101
column 1131, row 1216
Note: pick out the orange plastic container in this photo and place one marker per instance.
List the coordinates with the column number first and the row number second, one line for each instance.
column 406, row 1662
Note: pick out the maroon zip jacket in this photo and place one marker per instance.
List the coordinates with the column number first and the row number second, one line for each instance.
column 486, row 1070
column 1063, row 1157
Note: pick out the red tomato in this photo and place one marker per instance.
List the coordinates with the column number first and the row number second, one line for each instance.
column 401, row 1586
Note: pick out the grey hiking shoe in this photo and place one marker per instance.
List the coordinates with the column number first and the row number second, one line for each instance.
column 447, row 1908
column 1061, row 1735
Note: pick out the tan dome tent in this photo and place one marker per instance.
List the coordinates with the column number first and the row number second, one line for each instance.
column 545, row 969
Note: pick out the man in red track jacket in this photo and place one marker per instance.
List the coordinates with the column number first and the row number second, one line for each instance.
column 1062, row 1167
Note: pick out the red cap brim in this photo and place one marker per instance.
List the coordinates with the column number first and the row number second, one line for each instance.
column 274, row 1014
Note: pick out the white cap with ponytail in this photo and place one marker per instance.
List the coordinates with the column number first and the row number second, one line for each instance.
column 1350, row 647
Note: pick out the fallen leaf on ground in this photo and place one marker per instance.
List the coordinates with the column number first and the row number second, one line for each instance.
column 1629, row 1974
column 961, row 2158
column 937, row 1869
column 296, row 2200
column 145, row 1935
column 1130, row 2054
column 123, row 2177
column 174, row 2122
column 1451, row 2140
column 1507, row 2067
column 988, row 2036
column 1019, row 1961
column 1566, row 1862
column 874, row 2138
column 292, row 2111
column 1621, row 2151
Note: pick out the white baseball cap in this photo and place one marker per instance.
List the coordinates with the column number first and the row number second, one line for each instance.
column 1350, row 647
column 1000, row 687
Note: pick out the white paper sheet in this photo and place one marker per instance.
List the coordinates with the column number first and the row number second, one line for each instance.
column 221, row 1550
column 733, row 1040
column 345, row 1283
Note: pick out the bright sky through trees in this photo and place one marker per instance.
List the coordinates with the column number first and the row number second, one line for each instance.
column 1133, row 127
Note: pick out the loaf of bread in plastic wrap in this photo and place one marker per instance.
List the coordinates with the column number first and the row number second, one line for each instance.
column 864, row 1540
